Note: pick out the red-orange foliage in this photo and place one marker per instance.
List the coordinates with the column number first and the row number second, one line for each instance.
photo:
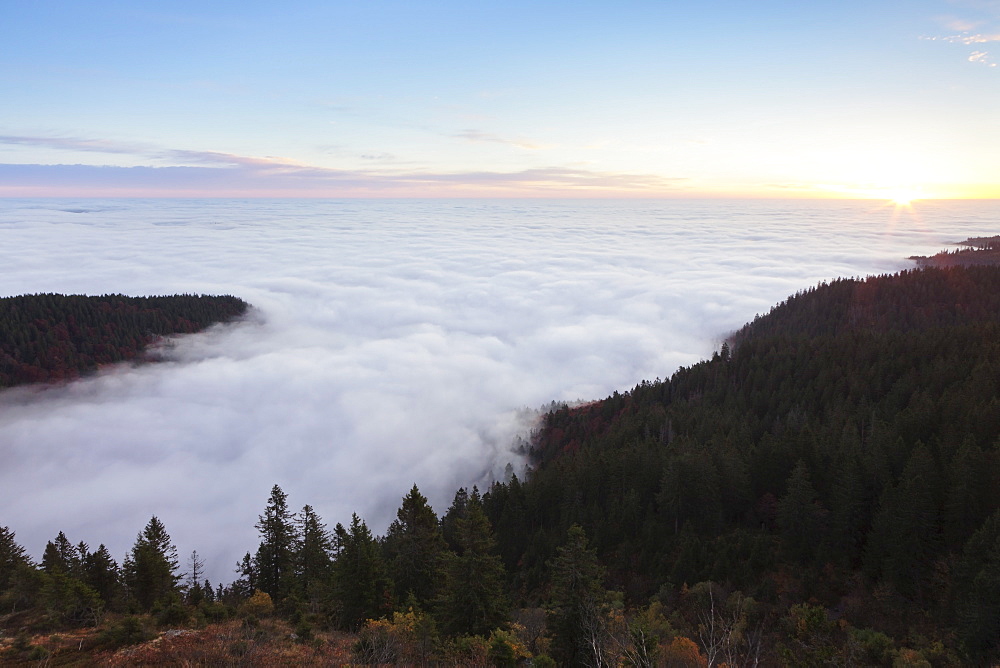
column 683, row 652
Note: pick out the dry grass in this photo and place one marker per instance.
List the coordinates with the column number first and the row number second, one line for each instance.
column 231, row 643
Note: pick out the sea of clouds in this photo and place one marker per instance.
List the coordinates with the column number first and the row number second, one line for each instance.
column 392, row 342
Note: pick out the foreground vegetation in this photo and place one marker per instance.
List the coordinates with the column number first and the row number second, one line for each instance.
column 824, row 491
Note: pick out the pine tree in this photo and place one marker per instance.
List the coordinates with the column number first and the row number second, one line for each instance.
column 977, row 594
column 457, row 510
column 362, row 586
column 274, row 560
column 967, row 501
column 61, row 556
column 12, row 556
column 313, row 556
column 905, row 532
column 579, row 600
column 414, row 548
column 690, row 493
column 100, row 573
column 150, row 570
column 245, row 585
column 800, row 517
column 472, row 601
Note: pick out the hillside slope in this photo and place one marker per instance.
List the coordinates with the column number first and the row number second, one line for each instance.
column 52, row 337
column 842, row 449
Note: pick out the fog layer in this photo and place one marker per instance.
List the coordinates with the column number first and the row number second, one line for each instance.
column 391, row 343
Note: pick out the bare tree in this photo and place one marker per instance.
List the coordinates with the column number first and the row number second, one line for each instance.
column 598, row 645
column 196, row 571
column 725, row 633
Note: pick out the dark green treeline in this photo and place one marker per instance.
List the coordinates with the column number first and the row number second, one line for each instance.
column 51, row 337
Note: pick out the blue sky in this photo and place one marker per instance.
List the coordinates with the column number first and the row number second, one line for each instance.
column 652, row 99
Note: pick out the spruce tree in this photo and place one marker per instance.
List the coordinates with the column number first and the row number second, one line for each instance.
column 100, row 573
column 473, row 600
column 313, row 556
column 414, row 548
column 12, row 555
column 61, row 556
column 245, row 585
column 977, row 594
column 800, row 517
column 905, row 533
column 458, row 509
column 151, row 568
column 579, row 600
column 362, row 586
column 274, row 560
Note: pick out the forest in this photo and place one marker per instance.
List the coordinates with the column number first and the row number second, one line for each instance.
column 976, row 251
column 823, row 491
column 52, row 337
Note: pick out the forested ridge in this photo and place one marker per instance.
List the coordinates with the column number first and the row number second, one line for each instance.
column 53, row 337
column 824, row 491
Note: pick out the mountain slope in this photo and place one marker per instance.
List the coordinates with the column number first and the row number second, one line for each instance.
column 843, row 444
column 51, row 337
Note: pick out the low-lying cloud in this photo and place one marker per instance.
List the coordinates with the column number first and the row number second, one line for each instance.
column 392, row 342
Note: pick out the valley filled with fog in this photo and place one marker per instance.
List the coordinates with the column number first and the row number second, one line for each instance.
column 391, row 342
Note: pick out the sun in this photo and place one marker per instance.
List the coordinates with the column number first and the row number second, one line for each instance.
column 902, row 197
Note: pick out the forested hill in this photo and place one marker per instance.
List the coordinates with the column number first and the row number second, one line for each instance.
column 52, row 337
column 841, row 450
column 977, row 250
column 905, row 302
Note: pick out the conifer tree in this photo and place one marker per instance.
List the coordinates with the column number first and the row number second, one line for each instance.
column 274, row 560
column 313, row 556
column 905, row 532
column 245, row 585
column 579, row 600
column 473, row 600
column 457, row 510
column 414, row 548
column 100, row 573
column 689, row 493
column 363, row 588
column 967, row 501
column 800, row 517
column 196, row 570
column 12, row 555
column 151, row 568
column 61, row 556
column 977, row 590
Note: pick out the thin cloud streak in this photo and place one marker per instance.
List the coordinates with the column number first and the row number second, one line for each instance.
column 78, row 144
column 225, row 174
column 216, row 173
column 477, row 136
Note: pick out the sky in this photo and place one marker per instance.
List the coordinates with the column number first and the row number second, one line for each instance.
column 392, row 342
column 853, row 98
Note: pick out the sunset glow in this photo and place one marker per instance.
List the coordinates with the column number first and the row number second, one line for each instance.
column 380, row 99
column 903, row 198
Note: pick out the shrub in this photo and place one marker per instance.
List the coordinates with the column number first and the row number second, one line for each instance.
column 172, row 612
column 214, row 612
column 505, row 649
column 258, row 605
column 128, row 631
